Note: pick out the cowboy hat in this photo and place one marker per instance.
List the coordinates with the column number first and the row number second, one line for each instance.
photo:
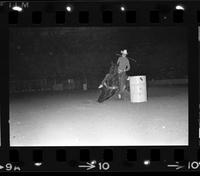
column 124, row 52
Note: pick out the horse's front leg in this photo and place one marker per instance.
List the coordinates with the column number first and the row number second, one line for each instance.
column 127, row 85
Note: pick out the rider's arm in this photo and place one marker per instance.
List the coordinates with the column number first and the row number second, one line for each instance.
column 128, row 66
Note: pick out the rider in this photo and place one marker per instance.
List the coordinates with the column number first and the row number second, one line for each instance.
column 123, row 67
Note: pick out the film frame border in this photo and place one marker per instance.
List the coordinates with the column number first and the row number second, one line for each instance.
column 117, row 156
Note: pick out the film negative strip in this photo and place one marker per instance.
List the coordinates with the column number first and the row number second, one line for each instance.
column 99, row 86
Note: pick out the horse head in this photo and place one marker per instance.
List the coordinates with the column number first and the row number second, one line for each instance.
column 113, row 68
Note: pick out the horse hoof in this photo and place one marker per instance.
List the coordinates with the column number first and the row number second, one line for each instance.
column 100, row 86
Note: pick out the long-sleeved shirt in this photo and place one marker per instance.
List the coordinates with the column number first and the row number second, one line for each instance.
column 123, row 63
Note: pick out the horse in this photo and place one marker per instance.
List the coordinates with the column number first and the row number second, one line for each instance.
column 112, row 85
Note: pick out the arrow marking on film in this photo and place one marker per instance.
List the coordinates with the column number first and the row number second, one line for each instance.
column 88, row 166
column 176, row 166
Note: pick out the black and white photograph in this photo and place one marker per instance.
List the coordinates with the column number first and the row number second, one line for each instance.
column 199, row 80
column 0, row 130
column 98, row 86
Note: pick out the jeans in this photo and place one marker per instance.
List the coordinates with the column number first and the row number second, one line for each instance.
column 122, row 83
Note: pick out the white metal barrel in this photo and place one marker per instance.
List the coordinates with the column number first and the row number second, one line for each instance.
column 138, row 89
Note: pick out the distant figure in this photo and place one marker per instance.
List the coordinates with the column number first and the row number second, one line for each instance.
column 123, row 67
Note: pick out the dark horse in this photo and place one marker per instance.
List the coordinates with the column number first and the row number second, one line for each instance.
column 111, row 84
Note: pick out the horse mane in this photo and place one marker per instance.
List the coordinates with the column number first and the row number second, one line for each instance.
column 113, row 79
column 113, row 68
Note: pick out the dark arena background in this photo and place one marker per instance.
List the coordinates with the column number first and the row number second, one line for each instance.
column 199, row 74
column 54, row 79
